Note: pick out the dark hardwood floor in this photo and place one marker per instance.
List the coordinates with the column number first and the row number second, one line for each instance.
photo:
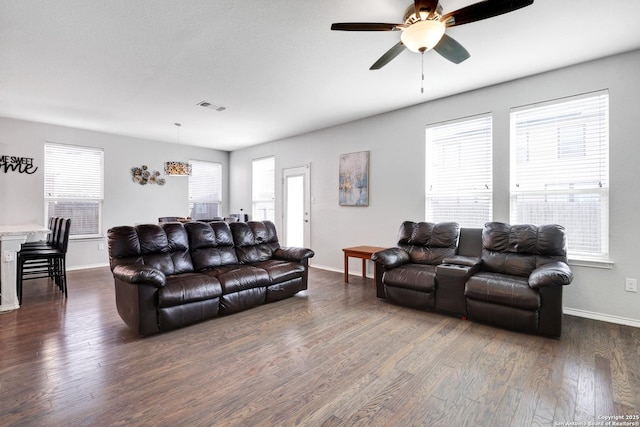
column 332, row 355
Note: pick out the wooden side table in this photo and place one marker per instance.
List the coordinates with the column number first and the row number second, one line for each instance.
column 363, row 252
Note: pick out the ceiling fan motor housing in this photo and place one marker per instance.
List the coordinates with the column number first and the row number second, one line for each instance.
column 410, row 14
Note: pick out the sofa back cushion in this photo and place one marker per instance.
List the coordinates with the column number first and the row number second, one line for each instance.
column 211, row 244
column 164, row 248
column 521, row 248
column 428, row 243
column 255, row 240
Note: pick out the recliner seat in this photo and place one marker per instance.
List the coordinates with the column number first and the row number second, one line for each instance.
column 411, row 278
column 172, row 275
column 506, row 275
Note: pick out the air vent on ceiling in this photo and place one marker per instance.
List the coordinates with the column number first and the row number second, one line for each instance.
column 206, row 104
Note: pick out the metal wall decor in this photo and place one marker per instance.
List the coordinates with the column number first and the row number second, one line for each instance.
column 143, row 176
column 17, row 164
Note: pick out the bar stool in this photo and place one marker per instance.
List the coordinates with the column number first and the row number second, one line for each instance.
column 36, row 263
column 52, row 237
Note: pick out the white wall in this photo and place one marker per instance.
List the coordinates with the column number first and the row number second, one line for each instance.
column 396, row 142
column 125, row 203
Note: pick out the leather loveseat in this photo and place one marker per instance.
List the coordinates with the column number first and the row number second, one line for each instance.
column 172, row 274
column 509, row 276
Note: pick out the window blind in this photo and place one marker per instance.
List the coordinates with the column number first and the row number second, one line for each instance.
column 459, row 171
column 560, row 169
column 263, row 189
column 73, row 186
column 205, row 189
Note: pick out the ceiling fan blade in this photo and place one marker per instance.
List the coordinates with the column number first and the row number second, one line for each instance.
column 483, row 10
column 365, row 26
column 388, row 56
column 451, row 50
column 430, row 5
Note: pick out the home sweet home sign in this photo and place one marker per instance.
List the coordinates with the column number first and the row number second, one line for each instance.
column 17, row 164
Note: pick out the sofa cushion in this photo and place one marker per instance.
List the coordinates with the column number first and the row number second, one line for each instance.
column 428, row 243
column 255, row 240
column 178, row 241
column 239, row 277
column 521, row 248
column 123, row 245
column 188, row 287
column 157, row 251
column 280, row 271
column 502, row 289
column 165, row 249
column 419, row 277
column 211, row 244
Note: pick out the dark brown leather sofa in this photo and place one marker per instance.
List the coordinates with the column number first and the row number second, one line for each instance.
column 172, row 274
column 509, row 276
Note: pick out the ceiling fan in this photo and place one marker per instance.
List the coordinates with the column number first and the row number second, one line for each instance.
column 424, row 27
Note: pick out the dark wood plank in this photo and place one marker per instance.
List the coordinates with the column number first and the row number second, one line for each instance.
column 330, row 356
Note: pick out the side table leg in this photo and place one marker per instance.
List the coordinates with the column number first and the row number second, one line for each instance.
column 364, row 268
column 346, row 268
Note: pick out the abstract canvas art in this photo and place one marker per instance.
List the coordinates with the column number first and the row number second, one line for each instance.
column 354, row 179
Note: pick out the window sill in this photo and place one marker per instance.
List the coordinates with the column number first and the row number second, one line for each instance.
column 592, row 263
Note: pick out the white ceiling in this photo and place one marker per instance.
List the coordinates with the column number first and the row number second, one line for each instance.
column 134, row 67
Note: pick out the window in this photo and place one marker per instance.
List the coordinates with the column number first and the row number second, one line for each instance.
column 263, row 189
column 459, row 171
column 73, row 187
column 560, row 172
column 205, row 189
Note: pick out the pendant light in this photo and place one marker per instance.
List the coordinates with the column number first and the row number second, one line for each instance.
column 177, row 168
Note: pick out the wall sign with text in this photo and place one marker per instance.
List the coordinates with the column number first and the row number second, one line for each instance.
column 17, row 164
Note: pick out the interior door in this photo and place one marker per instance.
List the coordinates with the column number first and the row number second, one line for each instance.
column 296, row 206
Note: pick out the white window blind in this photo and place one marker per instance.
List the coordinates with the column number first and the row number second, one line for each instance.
column 263, row 189
column 205, row 189
column 459, row 171
column 73, row 187
column 560, row 169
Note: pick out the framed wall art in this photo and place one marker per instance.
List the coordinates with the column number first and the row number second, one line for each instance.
column 354, row 179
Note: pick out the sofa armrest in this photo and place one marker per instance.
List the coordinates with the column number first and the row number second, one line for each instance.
column 293, row 254
column 552, row 274
column 458, row 266
column 136, row 274
column 392, row 257
column 467, row 261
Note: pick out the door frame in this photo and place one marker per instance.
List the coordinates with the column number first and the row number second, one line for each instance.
column 305, row 172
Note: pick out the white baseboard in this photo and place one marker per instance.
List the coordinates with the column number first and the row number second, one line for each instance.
column 324, row 267
column 86, row 267
column 602, row 317
column 338, row 270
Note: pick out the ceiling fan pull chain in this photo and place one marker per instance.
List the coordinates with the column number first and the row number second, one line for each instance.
column 422, row 86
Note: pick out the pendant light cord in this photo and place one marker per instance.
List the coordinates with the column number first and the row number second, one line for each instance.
column 178, row 125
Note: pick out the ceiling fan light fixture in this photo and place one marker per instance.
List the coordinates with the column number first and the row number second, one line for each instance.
column 422, row 35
